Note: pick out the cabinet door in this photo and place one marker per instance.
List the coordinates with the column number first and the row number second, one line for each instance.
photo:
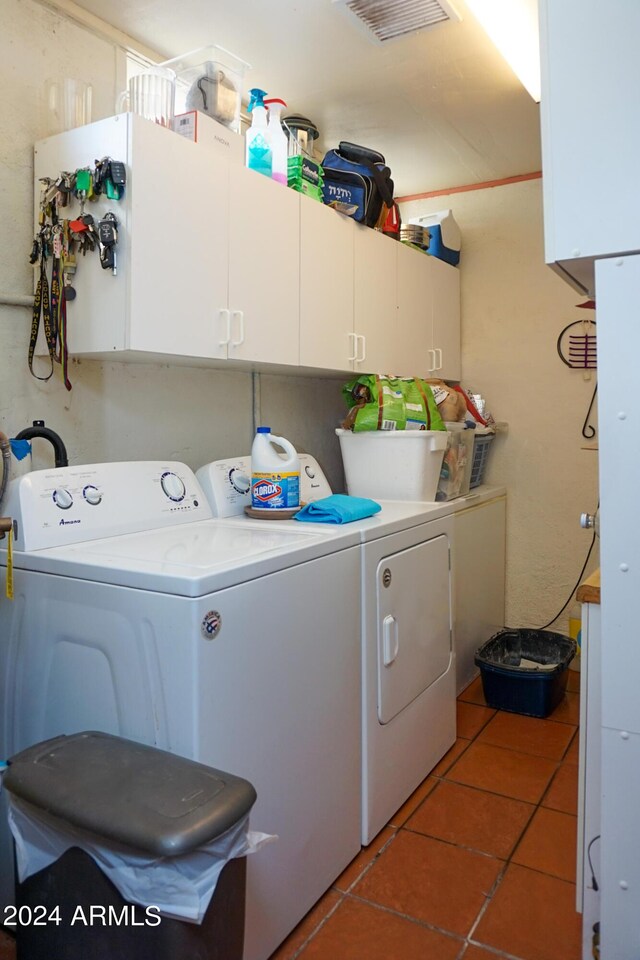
column 479, row 536
column 326, row 288
column 415, row 313
column 446, row 319
column 264, row 268
column 375, row 311
column 178, row 275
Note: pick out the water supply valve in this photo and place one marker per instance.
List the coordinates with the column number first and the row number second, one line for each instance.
column 590, row 521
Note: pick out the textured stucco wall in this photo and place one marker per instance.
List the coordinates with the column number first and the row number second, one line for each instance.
column 513, row 308
column 117, row 411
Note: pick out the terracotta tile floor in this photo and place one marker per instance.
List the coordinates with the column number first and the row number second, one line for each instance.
column 478, row 864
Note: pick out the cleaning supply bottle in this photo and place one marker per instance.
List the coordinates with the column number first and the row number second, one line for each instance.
column 258, row 149
column 277, row 140
column 275, row 482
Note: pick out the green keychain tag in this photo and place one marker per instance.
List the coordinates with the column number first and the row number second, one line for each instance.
column 113, row 192
column 83, row 181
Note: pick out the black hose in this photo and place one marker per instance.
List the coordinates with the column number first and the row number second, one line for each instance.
column 38, row 430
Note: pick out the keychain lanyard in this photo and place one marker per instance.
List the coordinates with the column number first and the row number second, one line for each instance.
column 42, row 305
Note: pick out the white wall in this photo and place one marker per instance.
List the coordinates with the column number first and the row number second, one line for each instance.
column 513, row 308
column 117, row 411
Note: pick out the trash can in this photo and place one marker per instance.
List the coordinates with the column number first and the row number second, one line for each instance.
column 525, row 671
column 128, row 804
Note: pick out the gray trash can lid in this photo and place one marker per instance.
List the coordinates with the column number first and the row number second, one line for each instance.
column 130, row 793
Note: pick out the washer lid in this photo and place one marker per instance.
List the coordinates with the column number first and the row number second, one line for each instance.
column 190, row 560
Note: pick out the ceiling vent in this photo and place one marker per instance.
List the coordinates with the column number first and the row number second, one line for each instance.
column 389, row 19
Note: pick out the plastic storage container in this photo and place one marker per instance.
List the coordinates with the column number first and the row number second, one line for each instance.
column 444, row 240
column 455, row 474
column 130, row 799
column 525, row 671
column 392, row 464
column 210, row 80
column 481, row 446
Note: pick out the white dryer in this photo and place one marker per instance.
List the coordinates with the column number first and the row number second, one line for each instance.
column 138, row 614
column 408, row 669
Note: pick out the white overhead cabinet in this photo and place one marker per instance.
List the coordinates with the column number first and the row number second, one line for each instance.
column 264, row 268
column 217, row 263
column 590, row 133
column 172, row 250
column 428, row 316
column 445, row 300
column 327, row 336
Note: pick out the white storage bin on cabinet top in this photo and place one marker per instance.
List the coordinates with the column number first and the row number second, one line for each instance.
column 392, row 464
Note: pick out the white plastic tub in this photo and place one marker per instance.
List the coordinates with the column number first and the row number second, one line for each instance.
column 393, row 464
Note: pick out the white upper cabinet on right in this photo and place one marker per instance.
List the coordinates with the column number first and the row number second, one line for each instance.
column 590, row 133
column 445, row 281
column 428, row 316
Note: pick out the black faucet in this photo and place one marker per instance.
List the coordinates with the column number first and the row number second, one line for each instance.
column 39, row 430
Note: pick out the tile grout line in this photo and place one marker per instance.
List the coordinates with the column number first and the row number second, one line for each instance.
column 466, row 942
column 317, row 929
column 405, row 916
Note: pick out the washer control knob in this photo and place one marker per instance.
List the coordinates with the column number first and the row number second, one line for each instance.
column 62, row 498
column 173, row 486
column 92, row 495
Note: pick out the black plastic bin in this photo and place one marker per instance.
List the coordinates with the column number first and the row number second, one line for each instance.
column 525, row 671
column 148, row 801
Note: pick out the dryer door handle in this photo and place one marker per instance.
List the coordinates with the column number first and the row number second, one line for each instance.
column 390, row 642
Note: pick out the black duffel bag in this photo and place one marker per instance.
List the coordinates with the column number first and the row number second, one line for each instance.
column 358, row 177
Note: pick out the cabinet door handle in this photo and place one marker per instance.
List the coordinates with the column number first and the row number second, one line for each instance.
column 226, row 315
column 362, row 357
column 439, row 352
column 240, row 315
column 390, row 641
column 355, row 346
column 432, row 357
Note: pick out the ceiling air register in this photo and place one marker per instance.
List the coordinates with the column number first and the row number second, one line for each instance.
column 388, row 19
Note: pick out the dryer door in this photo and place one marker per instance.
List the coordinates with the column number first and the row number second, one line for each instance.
column 414, row 623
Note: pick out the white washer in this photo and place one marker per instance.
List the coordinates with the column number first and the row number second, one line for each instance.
column 408, row 669
column 137, row 614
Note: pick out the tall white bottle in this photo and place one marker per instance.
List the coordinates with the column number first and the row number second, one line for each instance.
column 275, row 481
column 277, row 140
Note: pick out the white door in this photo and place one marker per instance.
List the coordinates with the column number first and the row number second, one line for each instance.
column 415, row 313
column 264, row 268
column 178, row 272
column 375, row 309
column 414, row 624
column 446, row 319
column 327, row 338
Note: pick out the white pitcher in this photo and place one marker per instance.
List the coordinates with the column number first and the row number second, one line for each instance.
column 152, row 95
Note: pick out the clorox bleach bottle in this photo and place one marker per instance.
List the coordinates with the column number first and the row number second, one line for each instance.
column 275, row 482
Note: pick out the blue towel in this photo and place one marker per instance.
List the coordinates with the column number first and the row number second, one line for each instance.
column 338, row 508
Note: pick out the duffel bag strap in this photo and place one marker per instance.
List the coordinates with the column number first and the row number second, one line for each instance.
column 352, row 151
column 370, row 159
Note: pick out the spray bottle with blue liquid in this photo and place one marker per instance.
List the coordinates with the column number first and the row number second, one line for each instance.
column 258, row 148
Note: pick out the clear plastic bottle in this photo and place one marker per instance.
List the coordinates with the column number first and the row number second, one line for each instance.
column 275, row 482
column 277, row 140
column 258, row 148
